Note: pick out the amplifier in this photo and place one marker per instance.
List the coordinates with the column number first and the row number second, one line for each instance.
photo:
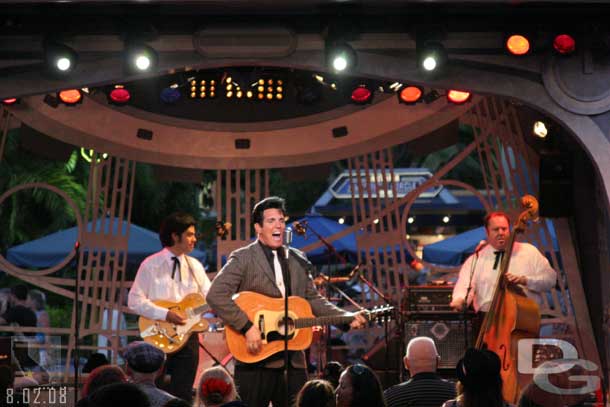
column 427, row 298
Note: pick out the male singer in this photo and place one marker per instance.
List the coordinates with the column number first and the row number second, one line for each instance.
column 263, row 267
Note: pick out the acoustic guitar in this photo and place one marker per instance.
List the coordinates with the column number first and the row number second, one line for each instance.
column 170, row 337
column 268, row 315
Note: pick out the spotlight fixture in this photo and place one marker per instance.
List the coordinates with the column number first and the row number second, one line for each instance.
column 361, row 95
column 564, row 44
column 517, row 44
column 410, row 95
column 446, row 219
column 59, row 58
column 119, row 95
column 411, row 219
column 70, row 97
column 458, row 96
column 140, row 58
column 9, row 101
column 340, row 56
column 341, row 220
column 540, row 129
column 431, row 56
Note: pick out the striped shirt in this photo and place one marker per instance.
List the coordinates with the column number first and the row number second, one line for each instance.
column 422, row 390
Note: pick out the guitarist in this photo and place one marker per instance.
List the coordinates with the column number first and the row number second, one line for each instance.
column 170, row 275
column 262, row 267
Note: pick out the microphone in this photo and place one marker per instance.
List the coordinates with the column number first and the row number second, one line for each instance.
column 300, row 228
column 480, row 247
column 287, row 241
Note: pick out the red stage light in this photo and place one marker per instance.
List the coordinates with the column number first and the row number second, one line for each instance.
column 517, row 44
column 120, row 96
column 410, row 94
column 458, row 96
column 9, row 101
column 564, row 44
column 362, row 94
column 70, row 96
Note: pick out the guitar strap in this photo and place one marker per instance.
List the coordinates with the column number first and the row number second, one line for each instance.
column 193, row 274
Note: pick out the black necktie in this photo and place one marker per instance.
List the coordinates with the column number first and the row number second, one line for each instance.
column 498, row 259
column 176, row 267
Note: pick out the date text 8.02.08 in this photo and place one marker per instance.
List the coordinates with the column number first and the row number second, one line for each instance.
column 37, row 396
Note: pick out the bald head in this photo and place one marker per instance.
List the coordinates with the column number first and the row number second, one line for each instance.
column 421, row 355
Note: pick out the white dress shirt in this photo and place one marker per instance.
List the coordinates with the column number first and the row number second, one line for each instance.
column 154, row 282
column 525, row 260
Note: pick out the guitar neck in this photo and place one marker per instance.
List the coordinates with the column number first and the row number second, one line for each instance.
column 328, row 320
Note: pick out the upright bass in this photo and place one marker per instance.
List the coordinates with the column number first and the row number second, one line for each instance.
column 512, row 316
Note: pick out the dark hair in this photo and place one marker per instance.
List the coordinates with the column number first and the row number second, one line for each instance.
column 480, row 383
column 20, row 291
column 102, row 376
column 272, row 202
column 318, row 393
column 176, row 223
column 366, row 388
column 332, row 372
column 490, row 215
column 119, row 394
column 95, row 360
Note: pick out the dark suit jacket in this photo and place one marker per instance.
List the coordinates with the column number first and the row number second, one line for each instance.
column 249, row 270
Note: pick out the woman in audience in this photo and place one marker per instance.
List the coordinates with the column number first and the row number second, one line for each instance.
column 217, row 389
column 316, row 393
column 359, row 386
column 37, row 302
column 480, row 383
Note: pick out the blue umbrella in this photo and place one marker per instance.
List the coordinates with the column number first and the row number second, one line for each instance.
column 453, row 251
column 52, row 249
column 325, row 227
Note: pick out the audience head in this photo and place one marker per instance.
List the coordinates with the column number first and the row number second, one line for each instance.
column 479, row 378
column 317, row 393
column 20, row 292
column 359, row 386
column 421, row 356
column 37, row 300
column 95, row 360
column 216, row 387
column 102, row 376
column 118, row 394
column 332, row 372
column 143, row 358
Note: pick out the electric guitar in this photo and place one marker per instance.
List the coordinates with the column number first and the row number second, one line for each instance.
column 170, row 337
column 268, row 315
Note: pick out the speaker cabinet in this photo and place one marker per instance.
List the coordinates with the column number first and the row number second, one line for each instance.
column 556, row 190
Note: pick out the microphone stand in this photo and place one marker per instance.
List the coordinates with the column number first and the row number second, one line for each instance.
column 287, row 288
column 331, row 252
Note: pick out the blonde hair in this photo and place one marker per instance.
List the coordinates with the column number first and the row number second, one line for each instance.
column 215, row 398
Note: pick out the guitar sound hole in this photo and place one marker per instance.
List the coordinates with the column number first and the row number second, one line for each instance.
column 279, row 334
